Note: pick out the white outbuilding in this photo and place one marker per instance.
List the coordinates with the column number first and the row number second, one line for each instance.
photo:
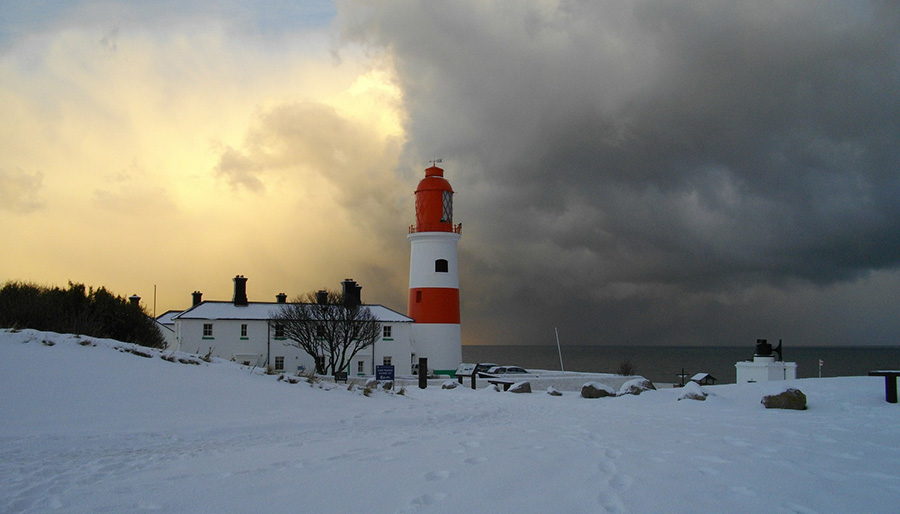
column 764, row 367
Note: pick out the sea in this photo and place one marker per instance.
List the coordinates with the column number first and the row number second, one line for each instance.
column 665, row 364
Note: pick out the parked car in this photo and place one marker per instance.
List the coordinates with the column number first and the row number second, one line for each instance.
column 415, row 371
column 502, row 370
column 484, row 366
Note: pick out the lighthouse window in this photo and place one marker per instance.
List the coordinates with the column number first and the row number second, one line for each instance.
column 440, row 266
column 418, row 296
column 447, row 213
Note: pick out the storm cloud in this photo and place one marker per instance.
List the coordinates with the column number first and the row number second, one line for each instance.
column 658, row 172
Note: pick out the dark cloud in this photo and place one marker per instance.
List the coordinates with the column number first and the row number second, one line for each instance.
column 652, row 172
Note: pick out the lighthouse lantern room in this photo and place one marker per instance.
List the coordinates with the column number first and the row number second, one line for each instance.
column 434, row 275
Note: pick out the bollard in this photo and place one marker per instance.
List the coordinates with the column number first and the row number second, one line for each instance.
column 473, row 378
column 423, row 372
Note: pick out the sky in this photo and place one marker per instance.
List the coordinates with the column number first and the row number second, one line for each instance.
column 631, row 173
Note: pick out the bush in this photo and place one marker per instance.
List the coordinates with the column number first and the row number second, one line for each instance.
column 77, row 310
column 626, row 368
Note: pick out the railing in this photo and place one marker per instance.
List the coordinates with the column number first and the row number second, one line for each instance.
column 457, row 229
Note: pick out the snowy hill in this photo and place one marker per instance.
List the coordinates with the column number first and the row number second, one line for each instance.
column 86, row 426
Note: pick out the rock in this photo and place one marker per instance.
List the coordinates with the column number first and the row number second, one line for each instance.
column 371, row 383
column 449, row 384
column 789, row 399
column 553, row 392
column 692, row 391
column 387, row 385
column 520, row 387
column 596, row 390
column 636, row 386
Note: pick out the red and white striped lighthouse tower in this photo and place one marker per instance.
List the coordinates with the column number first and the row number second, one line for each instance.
column 434, row 275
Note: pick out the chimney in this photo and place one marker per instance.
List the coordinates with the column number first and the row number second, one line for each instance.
column 197, row 297
column 352, row 296
column 281, row 298
column 135, row 300
column 240, row 291
column 322, row 297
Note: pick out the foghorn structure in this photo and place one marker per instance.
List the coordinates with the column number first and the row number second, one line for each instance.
column 434, row 275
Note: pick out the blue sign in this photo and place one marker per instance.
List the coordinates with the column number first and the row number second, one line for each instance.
column 384, row 373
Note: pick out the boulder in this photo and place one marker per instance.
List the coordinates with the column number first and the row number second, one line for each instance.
column 520, row 387
column 789, row 399
column 553, row 392
column 692, row 391
column 388, row 384
column 449, row 384
column 596, row 390
column 636, row 386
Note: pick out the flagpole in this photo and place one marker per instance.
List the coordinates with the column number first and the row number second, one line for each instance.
column 561, row 368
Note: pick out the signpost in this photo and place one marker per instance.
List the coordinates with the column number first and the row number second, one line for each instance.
column 384, row 373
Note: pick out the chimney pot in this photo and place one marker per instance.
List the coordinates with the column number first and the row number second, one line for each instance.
column 281, row 298
column 240, row 291
column 135, row 300
column 352, row 293
column 196, row 298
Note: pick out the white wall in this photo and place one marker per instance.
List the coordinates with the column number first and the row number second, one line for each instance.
column 226, row 343
column 765, row 369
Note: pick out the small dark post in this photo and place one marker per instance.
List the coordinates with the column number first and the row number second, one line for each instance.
column 890, row 383
column 423, row 372
column 474, row 374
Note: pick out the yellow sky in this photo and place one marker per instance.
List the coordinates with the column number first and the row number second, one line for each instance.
column 180, row 159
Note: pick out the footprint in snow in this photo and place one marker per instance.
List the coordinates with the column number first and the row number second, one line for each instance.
column 433, row 476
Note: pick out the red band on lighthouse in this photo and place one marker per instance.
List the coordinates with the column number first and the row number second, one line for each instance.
column 434, row 305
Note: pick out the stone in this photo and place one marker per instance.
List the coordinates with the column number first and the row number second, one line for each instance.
column 789, row 399
column 636, row 386
column 553, row 392
column 596, row 390
column 692, row 391
column 520, row 387
column 449, row 384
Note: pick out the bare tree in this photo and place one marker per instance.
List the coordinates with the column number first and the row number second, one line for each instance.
column 328, row 327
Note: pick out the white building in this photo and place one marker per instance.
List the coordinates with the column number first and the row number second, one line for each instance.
column 241, row 331
column 764, row 367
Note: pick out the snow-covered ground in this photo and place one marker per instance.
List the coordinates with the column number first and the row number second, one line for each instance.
column 87, row 428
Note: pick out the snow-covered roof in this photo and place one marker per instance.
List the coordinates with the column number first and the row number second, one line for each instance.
column 702, row 376
column 168, row 317
column 265, row 310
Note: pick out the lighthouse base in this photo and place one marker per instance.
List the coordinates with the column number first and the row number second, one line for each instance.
column 765, row 369
column 440, row 343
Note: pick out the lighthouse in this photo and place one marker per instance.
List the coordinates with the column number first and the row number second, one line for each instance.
column 434, row 275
